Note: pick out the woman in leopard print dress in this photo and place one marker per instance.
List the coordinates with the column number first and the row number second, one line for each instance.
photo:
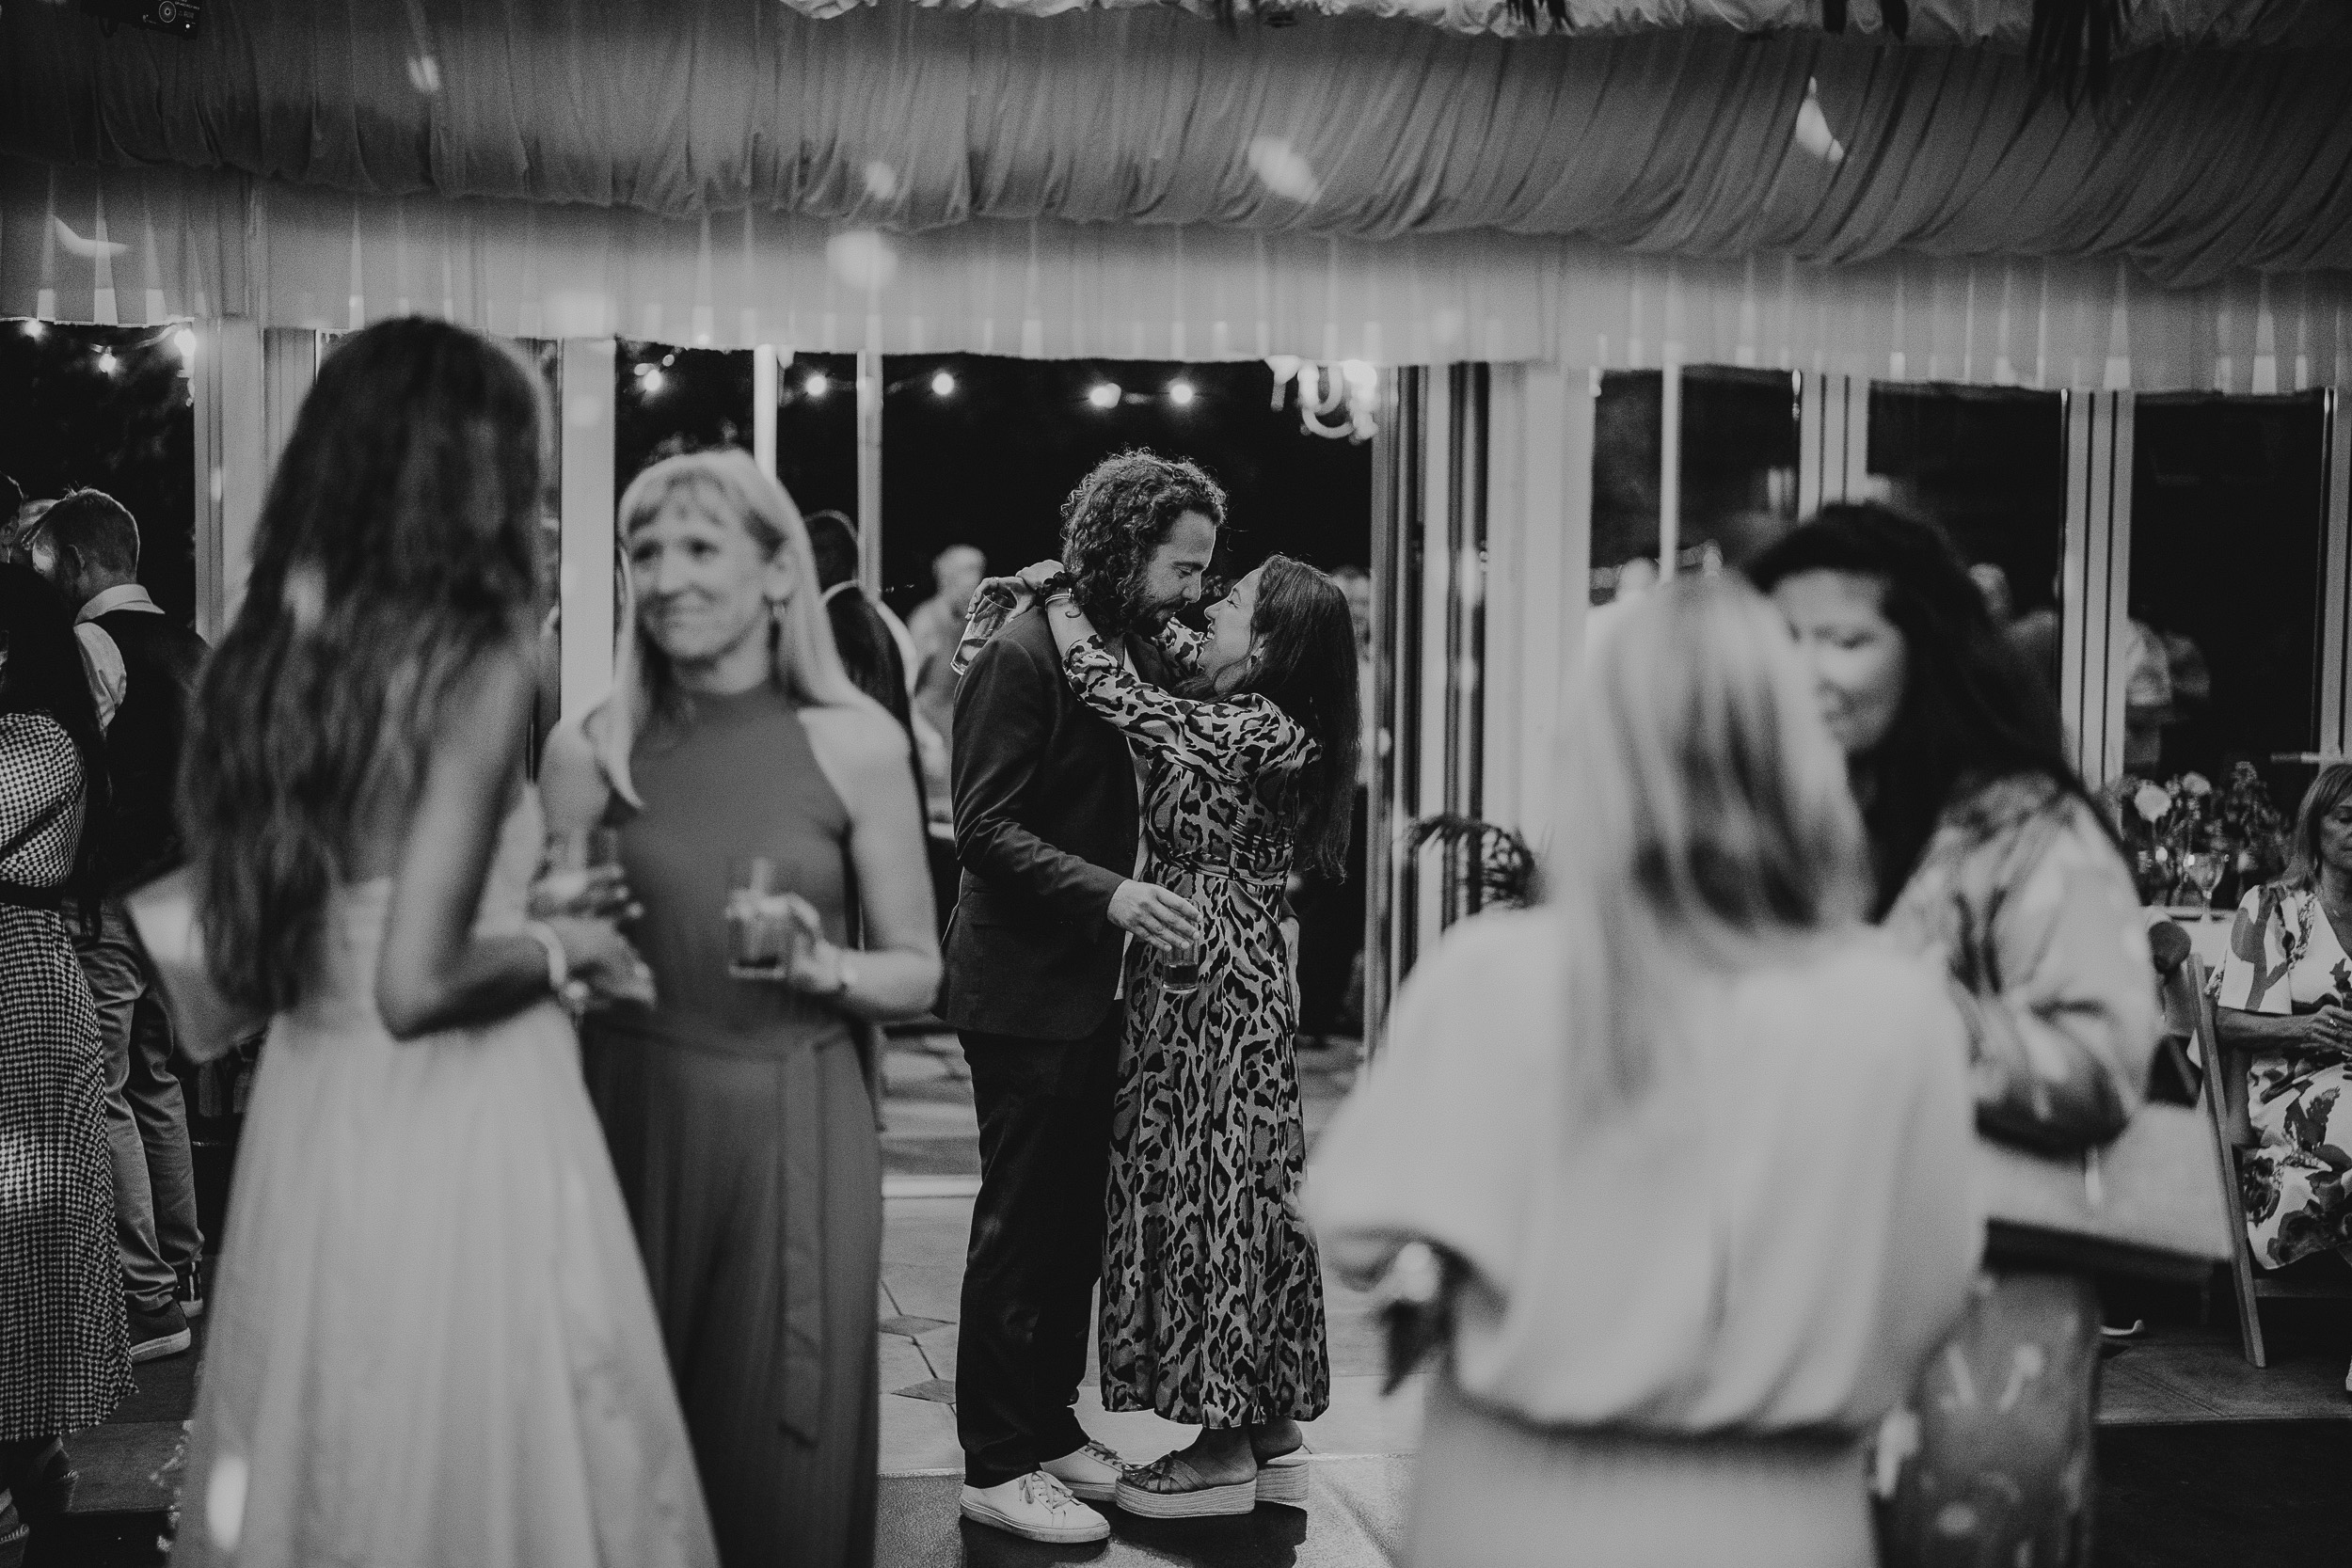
column 1212, row 1294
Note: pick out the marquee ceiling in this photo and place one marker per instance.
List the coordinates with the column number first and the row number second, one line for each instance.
column 1701, row 143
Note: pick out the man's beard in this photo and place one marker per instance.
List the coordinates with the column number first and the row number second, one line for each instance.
column 1117, row 608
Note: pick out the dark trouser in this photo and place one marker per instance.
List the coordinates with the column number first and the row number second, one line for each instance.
column 1037, row 1244
column 147, row 1118
column 1330, row 934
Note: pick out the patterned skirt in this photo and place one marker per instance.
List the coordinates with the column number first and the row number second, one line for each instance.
column 65, row 1359
column 1212, row 1290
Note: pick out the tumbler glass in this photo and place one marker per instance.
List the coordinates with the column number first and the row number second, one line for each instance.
column 1179, row 972
column 573, row 858
column 761, row 932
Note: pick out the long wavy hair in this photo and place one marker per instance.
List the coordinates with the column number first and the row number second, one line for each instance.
column 1971, row 709
column 803, row 661
column 1305, row 664
column 2303, row 857
column 1115, row 520
column 398, row 548
column 43, row 674
column 1705, row 827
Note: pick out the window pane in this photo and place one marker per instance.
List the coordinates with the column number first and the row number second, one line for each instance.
column 2226, row 532
column 674, row 400
column 1626, row 422
column 817, row 432
column 1739, row 463
column 107, row 408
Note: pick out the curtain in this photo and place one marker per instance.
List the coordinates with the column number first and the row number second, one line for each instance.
column 1701, row 145
column 2148, row 23
column 158, row 244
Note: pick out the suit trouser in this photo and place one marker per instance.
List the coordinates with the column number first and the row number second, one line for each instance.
column 1044, row 1110
column 147, row 1118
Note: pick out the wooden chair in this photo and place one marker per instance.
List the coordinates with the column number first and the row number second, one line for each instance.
column 2189, row 1010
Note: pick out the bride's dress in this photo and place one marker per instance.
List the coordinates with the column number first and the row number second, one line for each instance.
column 432, row 1342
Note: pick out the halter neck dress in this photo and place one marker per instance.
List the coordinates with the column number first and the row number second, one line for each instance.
column 742, row 1128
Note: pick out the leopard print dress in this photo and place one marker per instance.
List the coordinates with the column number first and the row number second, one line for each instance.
column 1212, row 1292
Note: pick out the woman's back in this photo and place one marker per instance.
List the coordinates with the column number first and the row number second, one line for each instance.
column 1768, row 1240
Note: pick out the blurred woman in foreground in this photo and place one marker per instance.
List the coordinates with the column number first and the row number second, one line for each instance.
column 1694, row 1142
column 432, row 1342
column 1991, row 862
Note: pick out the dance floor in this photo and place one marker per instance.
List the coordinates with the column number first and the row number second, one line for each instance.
column 2204, row 1460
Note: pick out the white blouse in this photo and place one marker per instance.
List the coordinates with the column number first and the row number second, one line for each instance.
column 1774, row 1238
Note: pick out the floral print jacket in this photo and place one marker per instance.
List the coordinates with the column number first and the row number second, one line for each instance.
column 2021, row 894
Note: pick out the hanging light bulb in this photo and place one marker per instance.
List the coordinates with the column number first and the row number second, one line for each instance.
column 943, row 384
column 106, row 362
column 1105, row 394
column 184, row 341
column 1180, row 393
column 36, row 328
column 817, row 383
column 651, row 380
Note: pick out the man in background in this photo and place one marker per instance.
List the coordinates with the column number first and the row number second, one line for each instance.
column 1332, row 910
column 143, row 666
column 937, row 626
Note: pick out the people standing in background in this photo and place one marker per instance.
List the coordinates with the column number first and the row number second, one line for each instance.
column 739, row 1109
column 88, row 545
column 1991, row 859
column 432, row 1340
column 1689, row 1143
column 64, row 1361
column 869, row 649
column 936, row 627
column 11, row 501
column 1331, row 905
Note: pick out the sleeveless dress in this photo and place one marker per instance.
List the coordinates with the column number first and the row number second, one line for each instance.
column 65, row 1359
column 1212, row 1292
column 431, row 1341
column 742, row 1129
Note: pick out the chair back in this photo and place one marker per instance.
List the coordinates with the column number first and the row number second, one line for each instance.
column 2225, row 1070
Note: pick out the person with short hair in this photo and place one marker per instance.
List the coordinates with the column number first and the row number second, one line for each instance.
column 935, row 626
column 145, row 667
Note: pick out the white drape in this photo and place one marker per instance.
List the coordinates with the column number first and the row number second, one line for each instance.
column 151, row 245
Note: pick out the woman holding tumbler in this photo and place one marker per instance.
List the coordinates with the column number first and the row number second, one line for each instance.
column 737, row 1109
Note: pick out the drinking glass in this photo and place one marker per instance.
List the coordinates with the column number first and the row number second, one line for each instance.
column 574, row 859
column 761, row 932
column 1179, row 972
column 2204, row 868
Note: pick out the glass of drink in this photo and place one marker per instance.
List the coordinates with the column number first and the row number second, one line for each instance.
column 577, row 860
column 761, row 932
column 1179, row 967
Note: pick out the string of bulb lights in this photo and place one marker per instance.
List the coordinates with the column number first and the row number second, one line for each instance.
column 1335, row 401
column 182, row 338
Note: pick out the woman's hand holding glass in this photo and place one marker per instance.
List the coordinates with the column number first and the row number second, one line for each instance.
column 601, row 960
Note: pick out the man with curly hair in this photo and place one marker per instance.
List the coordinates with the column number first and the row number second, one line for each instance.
column 1046, row 832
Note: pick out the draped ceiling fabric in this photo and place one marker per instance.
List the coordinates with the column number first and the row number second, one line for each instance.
column 1139, row 182
column 2149, row 23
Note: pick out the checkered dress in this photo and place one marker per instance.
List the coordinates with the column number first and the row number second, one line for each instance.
column 64, row 1353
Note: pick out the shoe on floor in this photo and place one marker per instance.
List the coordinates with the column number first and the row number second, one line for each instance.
column 1282, row 1479
column 1092, row 1473
column 1035, row 1507
column 1192, row 1499
column 189, row 1290
column 157, row 1331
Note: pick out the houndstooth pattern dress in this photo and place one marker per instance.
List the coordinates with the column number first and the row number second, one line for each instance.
column 64, row 1350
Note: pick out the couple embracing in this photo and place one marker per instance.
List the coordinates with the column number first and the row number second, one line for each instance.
column 1129, row 797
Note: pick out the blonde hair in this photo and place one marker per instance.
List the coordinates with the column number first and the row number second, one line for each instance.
column 804, row 662
column 1705, row 824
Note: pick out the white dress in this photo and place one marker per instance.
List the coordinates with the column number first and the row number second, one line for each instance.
column 432, row 1342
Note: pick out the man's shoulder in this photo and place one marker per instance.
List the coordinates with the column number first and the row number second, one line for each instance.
column 1025, row 638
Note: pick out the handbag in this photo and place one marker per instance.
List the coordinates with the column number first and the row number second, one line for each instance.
column 205, row 1023
column 2150, row 1203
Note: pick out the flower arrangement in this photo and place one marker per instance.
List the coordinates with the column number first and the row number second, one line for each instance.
column 2163, row 825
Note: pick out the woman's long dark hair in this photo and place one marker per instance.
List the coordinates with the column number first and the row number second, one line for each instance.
column 1971, row 707
column 397, row 548
column 44, row 675
column 1306, row 666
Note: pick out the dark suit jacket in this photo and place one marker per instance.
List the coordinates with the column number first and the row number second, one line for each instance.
column 1046, row 832
column 160, row 658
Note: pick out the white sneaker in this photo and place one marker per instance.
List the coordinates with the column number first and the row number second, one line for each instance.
column 1037, row 1508
column 1092, row 1473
